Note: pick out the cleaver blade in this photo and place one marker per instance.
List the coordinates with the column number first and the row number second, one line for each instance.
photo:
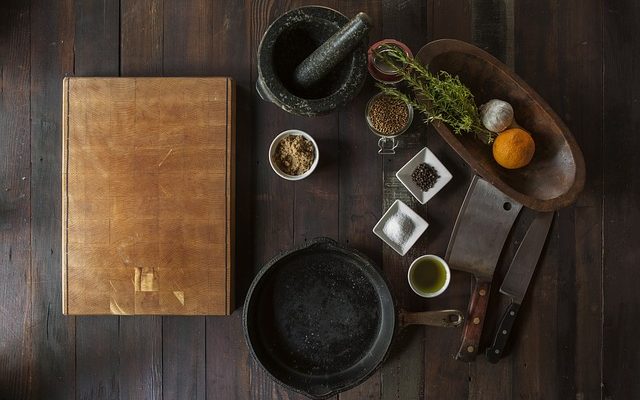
column 479, row 234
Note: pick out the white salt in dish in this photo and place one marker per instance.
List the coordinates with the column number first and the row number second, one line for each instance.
column 400, row 227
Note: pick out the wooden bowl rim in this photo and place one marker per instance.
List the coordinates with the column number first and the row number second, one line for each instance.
column 437, row 47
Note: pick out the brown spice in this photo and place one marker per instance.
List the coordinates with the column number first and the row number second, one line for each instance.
column 387, row 115
column 294, row 155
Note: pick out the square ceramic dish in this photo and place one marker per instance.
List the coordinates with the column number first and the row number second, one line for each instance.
column 400, row 214
column 424, row 156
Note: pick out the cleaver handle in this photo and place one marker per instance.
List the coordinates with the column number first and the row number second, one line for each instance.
column 474, row 322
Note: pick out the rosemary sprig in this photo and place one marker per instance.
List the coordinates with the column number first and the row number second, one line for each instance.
column 438, row 96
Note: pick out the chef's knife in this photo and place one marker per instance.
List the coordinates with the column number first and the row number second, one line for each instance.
column 517, row 280
column 482, row 227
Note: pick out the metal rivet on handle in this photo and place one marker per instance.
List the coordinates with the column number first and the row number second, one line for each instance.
column 504, row 331
column 476, row 320
column 482, row 292
column 512, row 313
column 470, row 349
column 497, row 351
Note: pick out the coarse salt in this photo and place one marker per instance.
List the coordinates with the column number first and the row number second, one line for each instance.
column 399, row 228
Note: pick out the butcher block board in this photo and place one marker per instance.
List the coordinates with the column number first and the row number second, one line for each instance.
column 148, row 196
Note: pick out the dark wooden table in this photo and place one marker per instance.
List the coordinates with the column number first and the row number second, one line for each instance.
column 577, row 335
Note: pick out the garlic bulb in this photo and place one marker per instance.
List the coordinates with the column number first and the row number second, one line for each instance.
column 496, row 115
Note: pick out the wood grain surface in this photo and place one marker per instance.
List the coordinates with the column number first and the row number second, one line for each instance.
column 575, row 336
column 147, row 194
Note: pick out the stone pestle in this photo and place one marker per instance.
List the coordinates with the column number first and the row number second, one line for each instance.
column 339, row 46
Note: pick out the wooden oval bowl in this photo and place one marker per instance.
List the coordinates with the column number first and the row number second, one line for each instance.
column 555, row 177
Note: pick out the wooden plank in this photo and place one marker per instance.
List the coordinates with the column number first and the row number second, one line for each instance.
column 140, row 345
column 53, row 343
column 316, row 206
column 538, row 368
column 620, row 201
column 581, row 66
column 97, row 53
column 316, row 198
column 97, row 34
column 186, row 50
column 227, row 375
column 360, row 177
column 447, row 19
column 492, row 27
column 15, row 200
column 183, row 358
column 141, row 31
column 141, row 37
column 274, row 197
column 183, row 340
column 445, row 377
column 97, row 358
column 227, row 357
column 402, row 375
column 359, row 163
column 492, row 30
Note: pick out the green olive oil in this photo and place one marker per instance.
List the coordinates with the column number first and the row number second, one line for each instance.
column 428, row 276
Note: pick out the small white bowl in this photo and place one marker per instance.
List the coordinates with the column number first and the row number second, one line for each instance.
column 274, row 145
column 446, row 281
column 424, row 156
column 420, row 225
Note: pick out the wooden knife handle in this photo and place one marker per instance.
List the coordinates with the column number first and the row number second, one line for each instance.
column 474, row 322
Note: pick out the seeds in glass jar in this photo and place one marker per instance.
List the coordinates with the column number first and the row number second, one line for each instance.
column 425, row 176
column 388, row 116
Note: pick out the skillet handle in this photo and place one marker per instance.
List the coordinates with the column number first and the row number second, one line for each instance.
column 475, row 320
column 443, row 318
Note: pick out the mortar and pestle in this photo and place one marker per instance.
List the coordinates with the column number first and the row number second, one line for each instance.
column 312, row 60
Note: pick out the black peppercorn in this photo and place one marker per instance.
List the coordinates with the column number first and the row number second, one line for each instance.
column 425, row 176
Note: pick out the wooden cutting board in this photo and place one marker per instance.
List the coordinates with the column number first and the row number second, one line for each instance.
column 148, row 195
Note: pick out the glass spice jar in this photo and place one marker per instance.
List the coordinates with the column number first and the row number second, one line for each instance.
column 387, row 142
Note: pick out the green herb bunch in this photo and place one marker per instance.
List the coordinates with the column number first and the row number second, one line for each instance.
column 438, row 96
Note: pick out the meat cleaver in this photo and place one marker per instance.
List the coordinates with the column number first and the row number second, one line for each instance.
column 482, row 227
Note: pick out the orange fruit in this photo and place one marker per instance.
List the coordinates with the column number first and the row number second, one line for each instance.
column 513, row 148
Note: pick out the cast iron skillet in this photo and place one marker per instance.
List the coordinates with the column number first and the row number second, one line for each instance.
column 320, row 318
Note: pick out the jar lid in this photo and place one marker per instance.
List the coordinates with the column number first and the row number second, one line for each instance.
column 378, row 69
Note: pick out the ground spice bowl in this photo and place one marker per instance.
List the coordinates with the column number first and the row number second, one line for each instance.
column 274, row 146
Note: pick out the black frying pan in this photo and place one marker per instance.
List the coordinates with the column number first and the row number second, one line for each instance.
column 320, row 318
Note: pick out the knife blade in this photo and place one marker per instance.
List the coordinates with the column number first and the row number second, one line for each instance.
column 479, row 234
column 517, row 280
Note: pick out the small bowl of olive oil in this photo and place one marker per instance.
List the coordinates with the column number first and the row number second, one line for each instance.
column 429, row 276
